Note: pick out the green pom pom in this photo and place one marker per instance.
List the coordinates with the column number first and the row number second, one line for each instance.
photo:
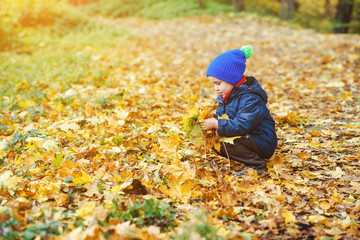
column 247, row 51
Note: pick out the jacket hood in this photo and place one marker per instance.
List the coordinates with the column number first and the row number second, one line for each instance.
column 250, row 86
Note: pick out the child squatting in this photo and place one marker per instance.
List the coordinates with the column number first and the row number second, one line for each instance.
column 243, row 100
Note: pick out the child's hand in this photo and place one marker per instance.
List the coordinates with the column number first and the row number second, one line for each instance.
column 209, row 123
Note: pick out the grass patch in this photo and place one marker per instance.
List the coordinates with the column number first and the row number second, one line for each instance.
column 50, row 51
column 49, row 65
column 173, row 9
column 154, row 9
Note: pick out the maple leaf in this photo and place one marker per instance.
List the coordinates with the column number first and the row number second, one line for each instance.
column 227, row 139
column 179, row 190
column 190, row 122
column 182, row 171
column 84, row 178
column 8, row 180
column 193, row 128
column 86, row 209
column 289, row 217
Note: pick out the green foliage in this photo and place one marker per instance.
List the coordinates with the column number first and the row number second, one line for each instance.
column 8, row 229
column 307, row 12
column 118, row 8
column 172, row 8
column 197, row 227
column 3, row 127
column 157, row 9
column 312, row 14
column 19, row 140
column 190, row 123
column 58, row 160
column 318, row 15
column 229, row 2
column 118, row 140
column 193, row 129
column 61, row 61
column 263, row 7
column 150, row 212
column 43, row 230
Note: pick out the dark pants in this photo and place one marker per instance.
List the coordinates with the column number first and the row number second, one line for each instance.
column 244, row 150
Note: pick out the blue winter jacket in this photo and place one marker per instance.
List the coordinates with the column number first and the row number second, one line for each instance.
column 248, row 115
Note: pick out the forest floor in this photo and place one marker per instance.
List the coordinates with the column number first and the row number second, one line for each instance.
column 87, row 165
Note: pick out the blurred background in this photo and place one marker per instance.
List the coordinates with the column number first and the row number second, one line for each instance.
column 43, row 41
column 19, row 17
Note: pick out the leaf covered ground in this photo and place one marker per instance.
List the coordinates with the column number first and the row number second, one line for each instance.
column 108, row 156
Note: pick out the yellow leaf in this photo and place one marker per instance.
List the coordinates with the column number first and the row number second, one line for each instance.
column 316, row 218
column 85, row 178
column 8, row 180
column 115, row 189
column 118, row 178
column 46, row 190
column 335, row 197
column 289, row 217
column 193, row 97
column 217, row 146
column 62, row 199
column 315, row 133
column 86, row 209
column 176, row 189
column 293, row 231
column 169, row 144
column 182, row 171
column 224, row 116
column 206, row 112
column 122, row 114
column 324, row 205
column 26, row 103
column 229, row 139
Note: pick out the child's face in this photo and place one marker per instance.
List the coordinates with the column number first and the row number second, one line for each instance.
column 220, row 86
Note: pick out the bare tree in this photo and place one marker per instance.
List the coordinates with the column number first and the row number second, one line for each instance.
column 287, row 9
column 343, row 16
column 239, row 5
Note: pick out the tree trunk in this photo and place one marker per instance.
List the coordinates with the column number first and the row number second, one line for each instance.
column 327, row 8
column 343, row 16
column 202, row 4
column 287, row 9
column 239, row 5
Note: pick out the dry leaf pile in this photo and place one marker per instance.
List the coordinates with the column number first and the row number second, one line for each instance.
column 124, row 168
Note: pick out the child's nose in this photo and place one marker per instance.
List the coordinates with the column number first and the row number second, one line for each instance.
column 217, row 88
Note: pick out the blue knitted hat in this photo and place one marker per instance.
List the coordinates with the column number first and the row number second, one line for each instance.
column 230, row 66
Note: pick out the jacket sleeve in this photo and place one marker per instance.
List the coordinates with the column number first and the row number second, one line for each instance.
column 220, row 102
column 248, row 117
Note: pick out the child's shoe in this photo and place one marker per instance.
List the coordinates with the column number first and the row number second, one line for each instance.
column 259, row 169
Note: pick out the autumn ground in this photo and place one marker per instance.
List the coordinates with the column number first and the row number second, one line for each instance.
column 87, row 164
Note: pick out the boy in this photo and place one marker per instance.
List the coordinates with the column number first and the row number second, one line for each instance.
column 243, row 100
